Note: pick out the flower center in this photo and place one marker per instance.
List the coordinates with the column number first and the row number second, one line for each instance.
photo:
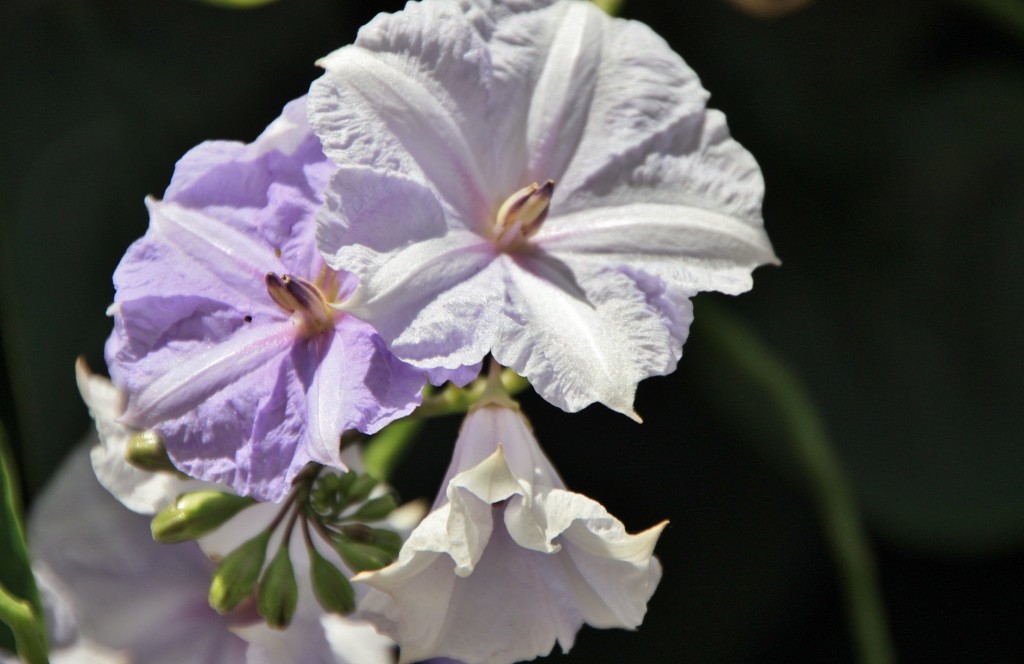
column 302, row 299
column 522, row 215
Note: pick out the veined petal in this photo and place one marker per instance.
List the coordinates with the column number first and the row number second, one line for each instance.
column 238, row 260
column 420, row 299
column 353, row 382
column 411, row 95
column 491, row 575
column 138, row 490
column 126, row 591
column 380, row 210
column 200, row 375
column 575, row 352
column 689, row 248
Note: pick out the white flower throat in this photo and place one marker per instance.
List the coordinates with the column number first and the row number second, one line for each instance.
column 522, row 215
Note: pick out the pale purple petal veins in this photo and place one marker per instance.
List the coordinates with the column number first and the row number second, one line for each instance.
column 195, row 378
column 563, row 92
column 352, row 382
column 380, row 210
column 643, row 90
column 434, row 302
column 237, row 259
column 577, row 352
column 362, row 89
column 688, row 247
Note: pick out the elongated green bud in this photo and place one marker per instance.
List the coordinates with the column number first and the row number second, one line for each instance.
column 386, row 540
column 330, row 586
column 195, row 514
column 374, row 510
column 367, row 553
column 279, row 592
column 361, row 488
column 235, row 578
column 146, row 451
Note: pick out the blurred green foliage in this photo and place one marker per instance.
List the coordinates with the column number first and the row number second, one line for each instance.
column 892, row 142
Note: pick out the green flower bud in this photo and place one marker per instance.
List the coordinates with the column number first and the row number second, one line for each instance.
column 279, row 592
column 330, row 586
column 375, row 510
column 146, row 451
column 235, row 578
column 361, row 488
column 195, row 514
column 367, row 551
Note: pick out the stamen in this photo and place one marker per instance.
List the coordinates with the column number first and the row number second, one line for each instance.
column 298, row 296
column 522, row 215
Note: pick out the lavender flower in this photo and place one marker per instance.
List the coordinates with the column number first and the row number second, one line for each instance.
column 536, row 180
column 224, row 338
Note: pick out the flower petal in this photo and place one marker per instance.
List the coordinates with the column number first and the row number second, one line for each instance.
column 420, row 298
column 138, row 490
column 127, row 591
column 575, row 352
column 407, row 96
column 353, row 382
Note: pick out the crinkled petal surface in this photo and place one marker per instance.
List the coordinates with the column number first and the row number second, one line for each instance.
column 504, row 568
column 437, row 114
column 138, row 490
column 241, row 390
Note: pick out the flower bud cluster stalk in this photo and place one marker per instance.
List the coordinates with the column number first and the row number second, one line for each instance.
column 337, row 506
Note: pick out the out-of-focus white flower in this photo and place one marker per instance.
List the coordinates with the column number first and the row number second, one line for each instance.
column 118, row 597
column 509, row 561
column 124, row 590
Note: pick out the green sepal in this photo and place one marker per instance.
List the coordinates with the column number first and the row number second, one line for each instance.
column 279, row 592
column 235, row 577
column 332, row 589
column 374, row 510
column 195, row 514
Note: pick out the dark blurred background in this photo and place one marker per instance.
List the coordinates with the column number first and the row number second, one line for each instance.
column 891, row 135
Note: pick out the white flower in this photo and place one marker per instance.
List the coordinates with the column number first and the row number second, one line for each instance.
column 535, row 180
column 509, row 562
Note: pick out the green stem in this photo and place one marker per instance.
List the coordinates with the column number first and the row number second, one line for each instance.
column 836, row 506
column 29, row 639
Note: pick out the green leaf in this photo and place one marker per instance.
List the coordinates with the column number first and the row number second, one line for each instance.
column 20, row 606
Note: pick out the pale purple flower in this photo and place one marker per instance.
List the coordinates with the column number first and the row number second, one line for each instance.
column 224, row 338
column 536, row 180
column 509, row 561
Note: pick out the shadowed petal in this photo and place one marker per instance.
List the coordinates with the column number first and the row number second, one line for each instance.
column 577, row 352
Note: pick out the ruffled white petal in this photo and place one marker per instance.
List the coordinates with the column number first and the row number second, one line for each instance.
column 505, row 568
column 577, row 350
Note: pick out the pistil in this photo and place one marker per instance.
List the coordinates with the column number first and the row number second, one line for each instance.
column 522, row 215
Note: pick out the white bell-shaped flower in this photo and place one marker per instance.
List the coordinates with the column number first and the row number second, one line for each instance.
column 509, row 561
